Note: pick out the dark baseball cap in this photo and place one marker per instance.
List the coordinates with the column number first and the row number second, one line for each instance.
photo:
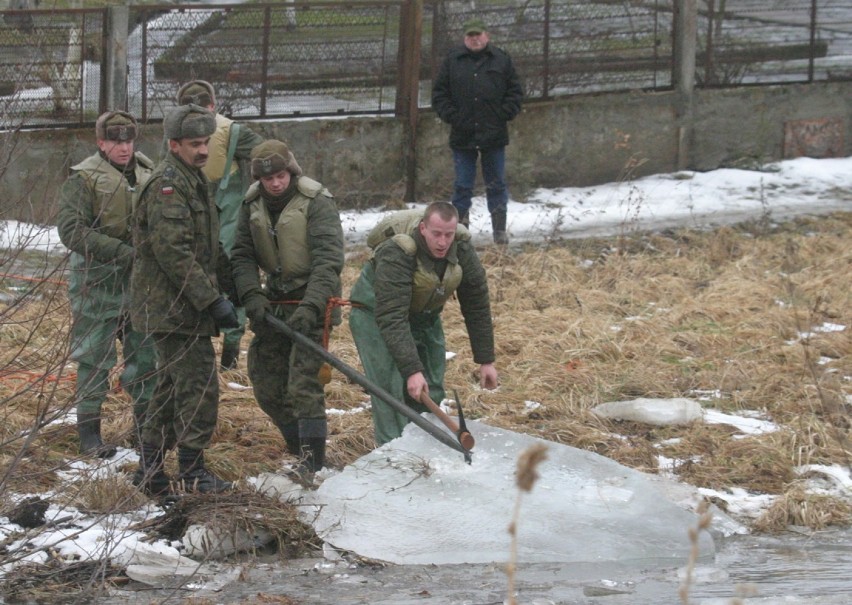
column 474, row 26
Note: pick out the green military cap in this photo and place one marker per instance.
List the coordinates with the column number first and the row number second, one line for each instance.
column 271, row 157
column 474, row 26
column 199, row 92
column 116, row 126
column 189, row 122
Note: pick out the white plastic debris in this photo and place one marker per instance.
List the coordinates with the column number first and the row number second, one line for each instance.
column 662, row 412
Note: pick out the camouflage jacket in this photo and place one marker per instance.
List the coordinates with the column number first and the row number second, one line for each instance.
column 389, row 292
column 180, row 267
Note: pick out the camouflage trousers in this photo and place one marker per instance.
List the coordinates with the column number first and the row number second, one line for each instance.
column 285, row 376
column 381, row 369
column 185, row 405
column 93, row 347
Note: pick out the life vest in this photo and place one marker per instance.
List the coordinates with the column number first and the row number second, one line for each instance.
column 217, row 151
column 114, row 197
column 429, row 293
column 403, row 221
column 283, row 251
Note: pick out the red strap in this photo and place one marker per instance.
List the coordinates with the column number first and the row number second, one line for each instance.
column 333, row 302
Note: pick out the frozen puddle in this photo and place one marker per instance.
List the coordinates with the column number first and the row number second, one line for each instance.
column 415, row 501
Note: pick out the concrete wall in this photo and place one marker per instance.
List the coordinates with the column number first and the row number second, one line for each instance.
column 572, row 142
column 575, row 141
column 731, row 125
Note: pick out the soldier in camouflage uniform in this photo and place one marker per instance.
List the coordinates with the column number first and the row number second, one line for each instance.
column 396, row 313
column 290, row 229
column 176, row 287
column 228, row 172
column 95, row 206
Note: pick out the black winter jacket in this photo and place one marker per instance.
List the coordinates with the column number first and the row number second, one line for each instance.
column 477, row 94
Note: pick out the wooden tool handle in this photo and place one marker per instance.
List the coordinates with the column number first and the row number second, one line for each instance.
column 465, row 438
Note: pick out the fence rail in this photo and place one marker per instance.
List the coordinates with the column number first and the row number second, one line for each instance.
column 270, row 60
column 334, row 58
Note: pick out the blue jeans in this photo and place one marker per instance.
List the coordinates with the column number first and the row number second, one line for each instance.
column 493, row 173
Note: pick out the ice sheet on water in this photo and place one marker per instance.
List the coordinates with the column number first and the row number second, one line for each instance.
column 415, row 501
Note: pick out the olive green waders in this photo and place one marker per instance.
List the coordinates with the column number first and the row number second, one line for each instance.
column 381, row 369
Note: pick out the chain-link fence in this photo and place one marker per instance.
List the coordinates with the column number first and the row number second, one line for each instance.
column 268, row 60
column 50, row 67
column 742, row 42
column 331, row 58
column 570, row 47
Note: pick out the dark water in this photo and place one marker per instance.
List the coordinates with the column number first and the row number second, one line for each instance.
column 791, row 568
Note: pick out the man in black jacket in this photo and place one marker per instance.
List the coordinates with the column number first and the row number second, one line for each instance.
column 477, row 92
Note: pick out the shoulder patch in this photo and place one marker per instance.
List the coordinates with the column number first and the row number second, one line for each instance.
column 167, row 187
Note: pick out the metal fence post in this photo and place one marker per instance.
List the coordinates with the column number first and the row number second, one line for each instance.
column 685, row 43
column 683, row 72
column 439, row 37
column 408, row 86
column 264, row 68
column 812, row 42
column 116, row 57
column 545, row 77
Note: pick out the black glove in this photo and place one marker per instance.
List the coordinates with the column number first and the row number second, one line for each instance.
column 303, row 320
column 223, row 313
column 257, row 306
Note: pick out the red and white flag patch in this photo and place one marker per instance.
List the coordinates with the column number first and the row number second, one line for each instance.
column 167, row 190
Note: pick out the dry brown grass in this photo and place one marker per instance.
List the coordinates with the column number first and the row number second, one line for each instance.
column 112, row 494
column 244, row 510
column 526, row 474
column 671, row 314
column 56, row 579
column 797, row 507
column 705, row 517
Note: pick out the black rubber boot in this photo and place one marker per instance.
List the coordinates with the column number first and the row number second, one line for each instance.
column 290, row 432
column 230, row 355
column 464, row 219
column 312, row 436
column 89, row 431
column 195, row 477
column 150, row 476
column 498, row 226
